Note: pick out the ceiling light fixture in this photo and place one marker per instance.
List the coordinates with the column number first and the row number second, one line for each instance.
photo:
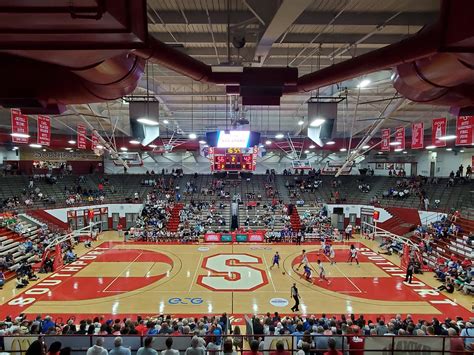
column 448, row 137
column 430, row 147
column 317, row 122
column 98, row 146
column 395, row 143
column 123, row 149
column 330, row 143
column 71, row 141
column 398, row 149
column 300, row 122
column 202, row 142
column 380, row 153
column 343, row 150
column 461, row 151
column 405, row 152
column 166, row 121
column 20, row 135
column 147, row 121
column 306, row 151
column 366, row 147
column 133, row 141
column 449, row 149
column 152, row 145
column 192, row 136
column 279, row 135
column 35, row 145
column 15, row 148
column 268, row 142
column 364, row 83
column 312, row 146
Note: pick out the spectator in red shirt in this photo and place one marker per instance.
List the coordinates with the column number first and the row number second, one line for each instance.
column 332, row 348
column 280, row 349
column 141, row 328
column 253, row 348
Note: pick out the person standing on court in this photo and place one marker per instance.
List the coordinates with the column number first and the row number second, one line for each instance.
column 296, row 297
column 409, row 275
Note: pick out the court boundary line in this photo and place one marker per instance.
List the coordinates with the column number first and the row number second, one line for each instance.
column 268, row 271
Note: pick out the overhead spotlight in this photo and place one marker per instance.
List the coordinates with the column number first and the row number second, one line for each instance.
column 134, row 141
column 449, row 149
column 366, row 147
column 20, row 135
column 306, row 151
column 317, row 122
column 279, row 135
column 364, row 83
column 166, row 121
column 152, row 145
column 192, row 136
column 268, row 142
column 330, row 143
column 312, row 146
column 448, row 137
column 398, row 149
column 430, row 147
column 395, row 143
column 343, row 150
column 71, row 141
column 34, row 145
column 123, row 149
column 147, row 121
column 300, row 122
column 202, row 142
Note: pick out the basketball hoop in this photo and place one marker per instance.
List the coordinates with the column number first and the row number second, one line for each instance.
column 301, row 164
column 131, row 158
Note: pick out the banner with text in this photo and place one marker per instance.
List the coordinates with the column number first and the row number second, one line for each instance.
column 95, row 141
column 400, row 137
column 19, row 127
column 438, row 130
column 81, row 137
column 44, row 130
column 417, row 135
column 464, row 130
column 385, row 145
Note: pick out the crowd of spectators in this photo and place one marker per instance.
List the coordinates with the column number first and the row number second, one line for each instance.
column 213, row 334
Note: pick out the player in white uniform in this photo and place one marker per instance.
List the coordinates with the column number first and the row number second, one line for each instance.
column 322, row 272
column 353, row 255
column 304, row 259
column 332, row 255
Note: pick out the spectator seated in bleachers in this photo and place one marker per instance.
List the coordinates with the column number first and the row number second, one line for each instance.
column 363, row 187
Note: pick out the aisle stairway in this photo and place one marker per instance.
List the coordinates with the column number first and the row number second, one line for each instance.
column 173, row 222
column 403, row 221
column 295, row 220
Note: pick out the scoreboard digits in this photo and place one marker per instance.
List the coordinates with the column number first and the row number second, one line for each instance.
column 233, row 159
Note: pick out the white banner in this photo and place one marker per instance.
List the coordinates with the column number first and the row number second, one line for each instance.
column 405, row 345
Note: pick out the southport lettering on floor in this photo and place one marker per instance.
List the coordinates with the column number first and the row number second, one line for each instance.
column 419, row 287
column 56, row 278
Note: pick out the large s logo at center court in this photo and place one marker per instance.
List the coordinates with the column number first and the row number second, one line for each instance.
column 232, row 272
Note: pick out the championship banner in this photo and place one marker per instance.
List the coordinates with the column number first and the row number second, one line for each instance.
column 438, row 130
column 464, row 128
column 19, row 127
column 81, row 137
column 417, row 135
column 385, row 145
column 400, row 137
column 44, row 130
column 95, row 141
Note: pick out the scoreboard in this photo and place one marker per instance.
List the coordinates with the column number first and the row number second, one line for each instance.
column 233, row 159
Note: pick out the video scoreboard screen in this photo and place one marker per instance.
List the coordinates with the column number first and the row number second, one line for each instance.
column 233, row 159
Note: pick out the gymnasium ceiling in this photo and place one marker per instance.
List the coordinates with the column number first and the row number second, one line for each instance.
column 313, row 35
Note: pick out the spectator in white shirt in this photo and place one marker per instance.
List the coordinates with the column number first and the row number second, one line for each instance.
column 169, row 350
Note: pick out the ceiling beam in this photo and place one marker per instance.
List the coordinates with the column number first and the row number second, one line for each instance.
column 350, row 18
column 283, row 18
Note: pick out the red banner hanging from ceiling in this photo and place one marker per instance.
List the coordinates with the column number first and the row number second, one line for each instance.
column 81, row 136
column 438, row 130
column 19, row 127
column 385, row 145
column 464, row 130
column 44, row 130
column 417, row 135
column 95, row 141
column 400, row 137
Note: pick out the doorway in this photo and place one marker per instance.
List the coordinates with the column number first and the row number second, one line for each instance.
column 432, row 168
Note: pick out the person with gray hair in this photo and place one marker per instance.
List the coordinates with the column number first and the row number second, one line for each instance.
column 195, row 348
column 97, row 348
column 147, row 349
column 119, row 349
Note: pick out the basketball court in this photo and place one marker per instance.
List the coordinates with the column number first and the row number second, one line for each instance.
column 117, row 279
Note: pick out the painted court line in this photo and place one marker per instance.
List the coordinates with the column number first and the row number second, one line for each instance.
column 269, row 272
column 195, row 273
column 125, row 269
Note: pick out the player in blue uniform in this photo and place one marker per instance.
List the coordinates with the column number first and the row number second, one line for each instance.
column 307, row 272
column 276, row 260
